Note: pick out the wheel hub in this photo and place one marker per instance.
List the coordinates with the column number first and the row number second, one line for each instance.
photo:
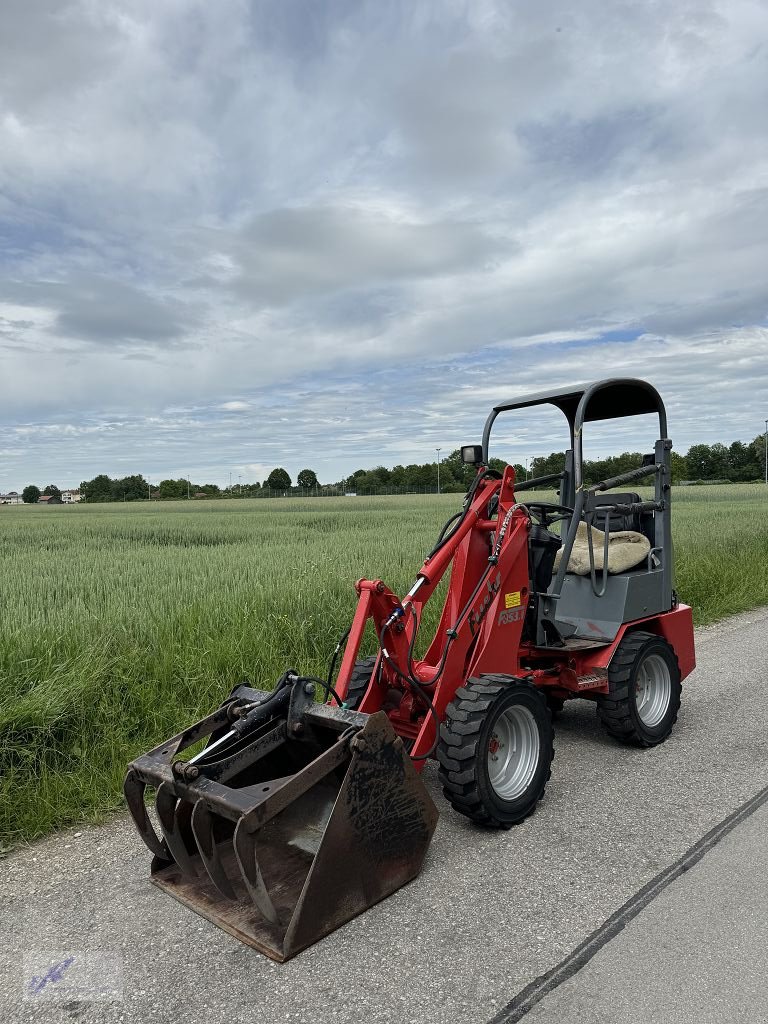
column 653, row 690
column 513, row 752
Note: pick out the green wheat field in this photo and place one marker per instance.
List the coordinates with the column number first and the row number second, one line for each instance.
column 122, row 623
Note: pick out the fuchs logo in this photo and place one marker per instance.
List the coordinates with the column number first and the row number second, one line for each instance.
column 492, row 589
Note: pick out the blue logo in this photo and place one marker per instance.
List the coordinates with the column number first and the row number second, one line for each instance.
column 54, row 973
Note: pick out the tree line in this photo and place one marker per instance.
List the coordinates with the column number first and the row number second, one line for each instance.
column 737, row 463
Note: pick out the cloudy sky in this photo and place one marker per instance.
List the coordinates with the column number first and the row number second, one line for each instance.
column 236, row 235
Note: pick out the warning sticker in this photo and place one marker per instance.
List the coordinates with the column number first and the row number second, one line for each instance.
column 512, row 600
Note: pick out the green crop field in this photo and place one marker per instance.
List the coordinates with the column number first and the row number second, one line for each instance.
column 121, row 623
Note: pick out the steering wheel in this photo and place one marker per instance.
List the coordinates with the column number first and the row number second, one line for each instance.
column 548, row 512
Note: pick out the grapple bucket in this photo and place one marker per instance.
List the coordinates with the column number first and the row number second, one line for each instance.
column 293, row 819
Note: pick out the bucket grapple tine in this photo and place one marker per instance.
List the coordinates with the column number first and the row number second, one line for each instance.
column 245, row 851
column 134, row 789
column 202, row 827
column 175, row 816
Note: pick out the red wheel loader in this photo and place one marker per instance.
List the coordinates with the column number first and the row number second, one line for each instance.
column 279, row 817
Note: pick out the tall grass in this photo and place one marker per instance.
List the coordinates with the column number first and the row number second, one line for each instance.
column 121, row 623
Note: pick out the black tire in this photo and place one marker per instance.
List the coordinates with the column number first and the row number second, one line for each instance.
column 463, row 749
column 358, row 682
column 619, row 712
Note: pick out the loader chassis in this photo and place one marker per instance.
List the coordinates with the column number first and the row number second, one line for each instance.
column 253, row 827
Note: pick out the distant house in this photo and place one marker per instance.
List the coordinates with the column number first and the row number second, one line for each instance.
column 49, row 499
column 71, row 496
column 11, row 498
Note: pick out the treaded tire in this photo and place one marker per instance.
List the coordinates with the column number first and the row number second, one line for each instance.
column 617, row 711
column 358, row 682
column 463, row 749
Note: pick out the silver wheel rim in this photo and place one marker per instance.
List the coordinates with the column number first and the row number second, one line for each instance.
column 653, row 689
column 513, row 752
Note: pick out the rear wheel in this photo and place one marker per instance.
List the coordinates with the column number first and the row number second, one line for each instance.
column 358, row 682
column 495, row 750
column 644, row 691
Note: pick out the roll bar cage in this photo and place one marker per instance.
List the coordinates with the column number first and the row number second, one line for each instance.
column 612, row 398
column 607, row 399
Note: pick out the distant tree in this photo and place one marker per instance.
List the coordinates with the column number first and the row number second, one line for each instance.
column 679, row 465
column 30, row 494
column 708, row 462
column 173, row 489
column 279, row 480
column 546, row 465
column 757, row 450
column 52, row 491
column 97, row 490
column 307, row 479
column 130, row 488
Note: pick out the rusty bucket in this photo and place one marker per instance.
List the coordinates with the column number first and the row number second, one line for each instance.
column 291, row 820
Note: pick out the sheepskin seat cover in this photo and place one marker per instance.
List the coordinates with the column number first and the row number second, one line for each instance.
column 626, row 549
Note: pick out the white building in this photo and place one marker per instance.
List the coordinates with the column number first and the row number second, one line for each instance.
column 11, row 498
column 71, row 496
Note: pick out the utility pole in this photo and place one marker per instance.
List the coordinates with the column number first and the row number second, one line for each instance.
column 230, row 483
column 765, row 445
column 149, row 489
column 188, row 475
column 438, row 469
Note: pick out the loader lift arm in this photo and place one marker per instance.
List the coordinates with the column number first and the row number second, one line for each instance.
column 480, row 624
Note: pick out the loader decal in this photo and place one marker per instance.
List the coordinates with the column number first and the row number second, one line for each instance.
column 510, row 615
column 492, row 589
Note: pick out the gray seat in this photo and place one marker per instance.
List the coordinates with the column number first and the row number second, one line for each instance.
column 633, row 521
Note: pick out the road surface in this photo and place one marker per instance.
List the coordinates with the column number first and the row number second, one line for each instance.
column 491, row 913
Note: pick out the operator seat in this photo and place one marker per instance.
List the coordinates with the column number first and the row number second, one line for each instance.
column 637, row 521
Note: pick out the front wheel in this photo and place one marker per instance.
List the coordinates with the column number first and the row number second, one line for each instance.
column 359, row 681
column 495, row 750
column 643, row 691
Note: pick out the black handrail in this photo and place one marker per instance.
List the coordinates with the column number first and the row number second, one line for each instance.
column 536, row 481
column 624, row 478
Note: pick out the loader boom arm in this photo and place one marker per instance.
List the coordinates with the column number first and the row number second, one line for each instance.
column 480, row 624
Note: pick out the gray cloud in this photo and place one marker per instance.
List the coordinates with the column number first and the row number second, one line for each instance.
column 99, row 309
column 290, row 253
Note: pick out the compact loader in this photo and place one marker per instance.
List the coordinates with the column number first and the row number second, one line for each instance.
column 280, row 817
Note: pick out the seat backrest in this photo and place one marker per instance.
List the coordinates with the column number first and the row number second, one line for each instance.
column 617, row 522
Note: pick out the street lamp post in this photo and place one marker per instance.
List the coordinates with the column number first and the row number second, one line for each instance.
column 438, row 450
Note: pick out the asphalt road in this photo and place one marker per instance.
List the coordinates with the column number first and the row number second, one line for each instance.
column 698, row 954
column 490, row 913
